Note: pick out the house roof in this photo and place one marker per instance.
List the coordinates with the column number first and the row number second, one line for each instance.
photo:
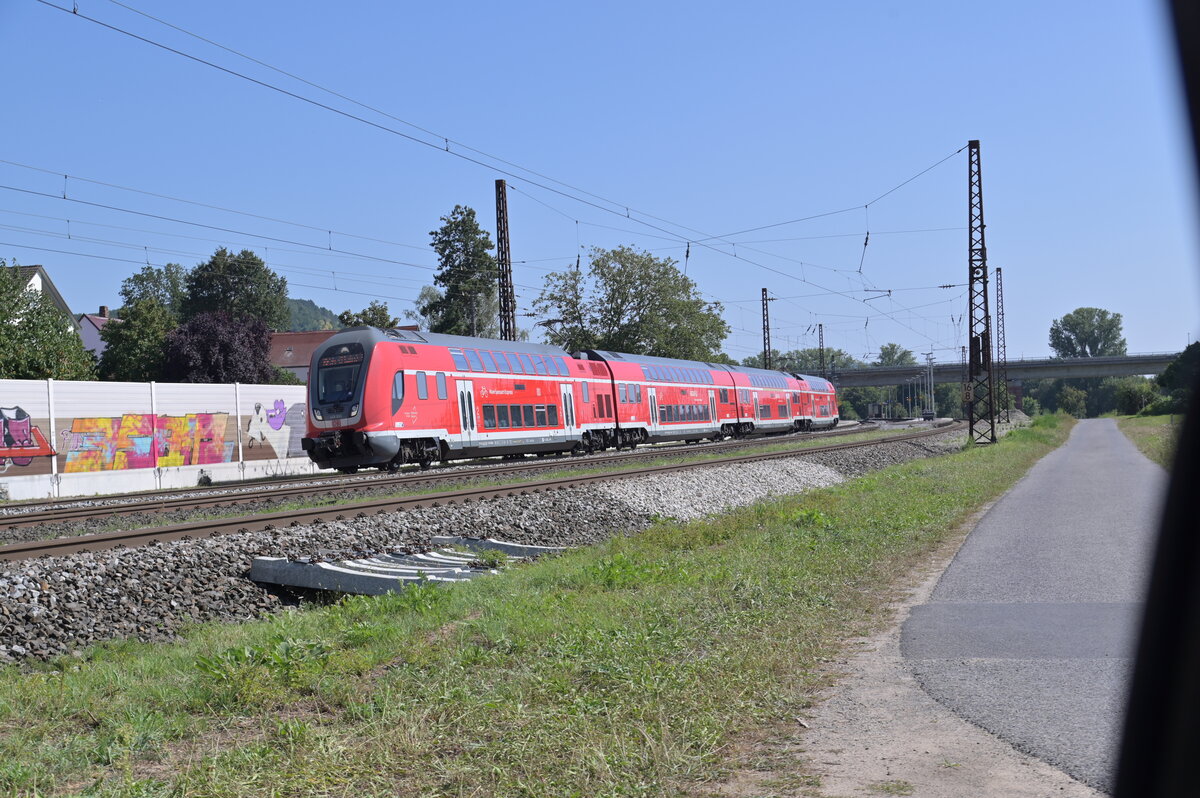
column 29, row 272
column 97, row 321
column 295, row 349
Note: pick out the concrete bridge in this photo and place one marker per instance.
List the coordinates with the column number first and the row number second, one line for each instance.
column 1018, row 370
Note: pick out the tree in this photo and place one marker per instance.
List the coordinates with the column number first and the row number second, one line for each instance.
column 136, row 343
column 1072, row 400
column 220, row 347
column 238, row 284
column 895, row 355
column 166, row 286
column 468, row 303
column 1182, row 372
column 375, row 314
column 1087, row 332
column 630, row 301
column 1133, row 394
column 306, row 315
column 37, row 340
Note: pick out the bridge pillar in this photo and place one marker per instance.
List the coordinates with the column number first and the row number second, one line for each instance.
column 1017, row 389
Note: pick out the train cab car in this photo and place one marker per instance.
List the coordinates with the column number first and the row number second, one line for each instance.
column 819, row 403
column 765, row 399
column 384, row 398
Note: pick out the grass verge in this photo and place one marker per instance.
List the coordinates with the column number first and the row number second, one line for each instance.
column 1156, row 436
column 624, row 669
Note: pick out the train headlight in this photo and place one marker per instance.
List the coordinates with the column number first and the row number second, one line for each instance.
column 317, row 413
column 354, row 410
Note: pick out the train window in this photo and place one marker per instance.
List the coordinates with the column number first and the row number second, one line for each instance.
column 586, row 397
column 662, row 414
column 552, row 415
column 724, row 396
column 397, row 391
column 460, row 362
column 488, row 363
column 441, row 384
column 527, row 363
column 501, row 362
column 764, row 411
column 422, row 386
column 540, row 415
column 473, row 359
column 621, row 392
column 562, row 367
column 539, row 365
column 489, row 417
column 502, row 416
column 527, row 411
column 637, row 389
column 516, row 415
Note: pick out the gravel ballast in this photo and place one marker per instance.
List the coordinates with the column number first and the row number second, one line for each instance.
column 53, row 605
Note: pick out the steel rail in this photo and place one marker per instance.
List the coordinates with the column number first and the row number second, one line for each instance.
column 268, row 521
column 162, row 502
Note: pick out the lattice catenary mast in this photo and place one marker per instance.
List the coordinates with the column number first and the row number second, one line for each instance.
column 508, row 299
column 766, row 330
column 1002, row 391
column 981, row 395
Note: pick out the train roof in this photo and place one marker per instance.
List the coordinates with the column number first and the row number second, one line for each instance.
column 759, row 372
column 376, row 335
column 816, row 383
column 649, row 360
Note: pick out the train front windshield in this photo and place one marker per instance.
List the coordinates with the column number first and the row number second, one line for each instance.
column 337, row 373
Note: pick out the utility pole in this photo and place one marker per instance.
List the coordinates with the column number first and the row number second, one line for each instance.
column 932, row 399
column 766, row 330
column 508, row 299
column 981, row 394
column 1001, row 348
column 821, row 348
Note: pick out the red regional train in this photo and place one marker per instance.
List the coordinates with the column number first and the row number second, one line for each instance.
column 383, row 398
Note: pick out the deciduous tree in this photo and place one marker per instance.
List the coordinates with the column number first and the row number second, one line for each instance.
column 37, row 340
column 375, row 314
column 1087, row 332
column 219, row 347
column 631, row 301
column 166, row 286
column 239, row 284
column 136, row 343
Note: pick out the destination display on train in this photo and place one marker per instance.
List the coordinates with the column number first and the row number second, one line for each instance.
column 341, row 360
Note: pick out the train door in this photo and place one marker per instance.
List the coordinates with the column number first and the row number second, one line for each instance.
column 568, row 408
column 712, row 407
column 466, row 410
column 653, row 393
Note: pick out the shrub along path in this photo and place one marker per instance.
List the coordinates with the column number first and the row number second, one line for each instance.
column 628, row 668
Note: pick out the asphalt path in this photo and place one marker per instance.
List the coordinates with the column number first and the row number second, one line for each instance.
column 1030, row 631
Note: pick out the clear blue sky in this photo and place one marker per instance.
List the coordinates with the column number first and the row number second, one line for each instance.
column 713, row 117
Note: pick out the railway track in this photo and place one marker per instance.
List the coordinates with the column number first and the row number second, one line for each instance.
column 275, row 520
column 228, row 495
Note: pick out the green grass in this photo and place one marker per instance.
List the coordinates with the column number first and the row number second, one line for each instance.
column 625, row 669
column 1156, row 436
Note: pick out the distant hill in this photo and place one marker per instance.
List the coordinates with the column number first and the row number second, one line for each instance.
column 308, row 315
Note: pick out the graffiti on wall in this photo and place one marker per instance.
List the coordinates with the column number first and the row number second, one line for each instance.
column 268, row 427
column 133, row 439
column 20, row 441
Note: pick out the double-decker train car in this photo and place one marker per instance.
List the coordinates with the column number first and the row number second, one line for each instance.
column 818, row 401
column 383, row 398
